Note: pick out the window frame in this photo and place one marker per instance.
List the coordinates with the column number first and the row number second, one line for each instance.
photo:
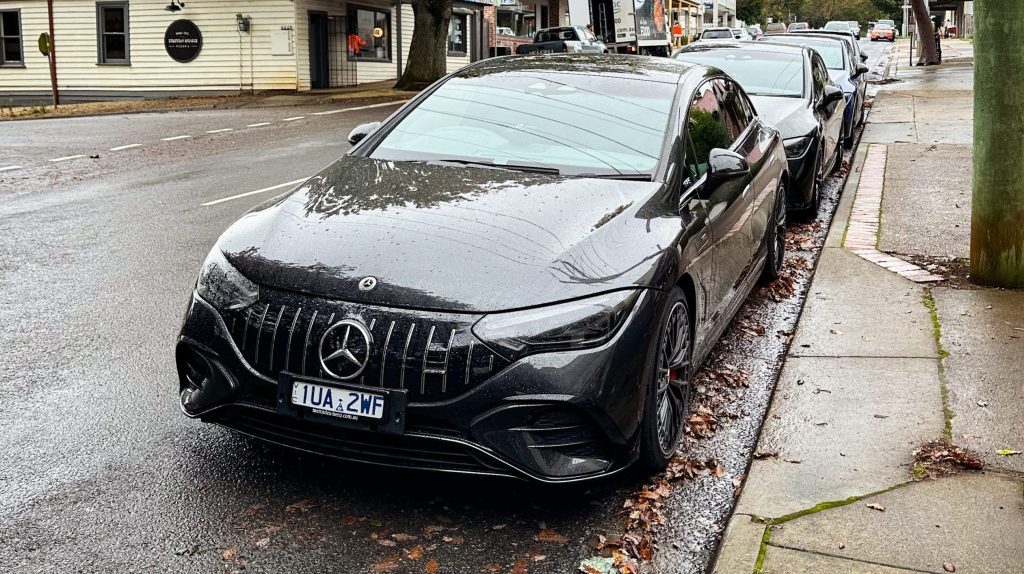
column 465, row 35
column 4, row 63
column 351, row 26
column 723, row 87
column 101, row 33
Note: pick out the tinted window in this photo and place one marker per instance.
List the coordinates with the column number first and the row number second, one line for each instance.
column 760, row 73
column 734, row 116
column 577, row 123
column 716, row 35
column 819, row 75
column 706, row 127
column 556, row 34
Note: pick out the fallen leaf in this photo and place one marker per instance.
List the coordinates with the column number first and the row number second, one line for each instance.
column 228, row 553
column 764, row 455
column 598, row 565
column 349, row 520
column 403, row 537
column 549, row 535
column 1007, row 452
column 520, row 567
column 415, row 553
column 982, row 403
column 948, row 567
column 874, row 506
column 432, row 567
column 719, row 471
column 263, row 542
column 388, row 564
column 453, row 539
column 386, row 542
column 300, row 506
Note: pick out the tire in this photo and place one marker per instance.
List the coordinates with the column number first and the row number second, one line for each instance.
column 837, row 161
column 667, row 400
column 775, row 240
column 811, row 211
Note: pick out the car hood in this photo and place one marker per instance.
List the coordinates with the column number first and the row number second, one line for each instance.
column 449, row 238
column 791, row 116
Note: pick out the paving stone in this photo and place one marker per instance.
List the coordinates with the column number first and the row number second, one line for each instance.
column 740, row 547
column 780, row 560
column 974, row 521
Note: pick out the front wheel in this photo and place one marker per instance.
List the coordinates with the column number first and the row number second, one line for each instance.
column 775, row 240
column 667, row 400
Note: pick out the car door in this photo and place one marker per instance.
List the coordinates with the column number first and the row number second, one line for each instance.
column 727, row 203
column 830, row 117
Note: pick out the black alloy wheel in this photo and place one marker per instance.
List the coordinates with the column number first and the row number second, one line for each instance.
column 811, row 211
column 775, row 239
column 668, row 397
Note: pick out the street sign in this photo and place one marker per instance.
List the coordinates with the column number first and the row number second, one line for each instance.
column 44, row 44
column 183, row 41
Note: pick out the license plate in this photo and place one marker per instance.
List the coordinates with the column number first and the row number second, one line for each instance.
column 338, row 402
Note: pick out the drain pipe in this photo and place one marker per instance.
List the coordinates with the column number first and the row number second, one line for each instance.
column 398, row 37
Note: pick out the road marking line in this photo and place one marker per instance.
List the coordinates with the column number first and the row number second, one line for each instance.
column 248, row 193
column 56, row 159
column 293, row 119
column 384, row 105
column 259, row 125
column 222, row 130
column 129, row 146
column 10, row 167
column 170, row 139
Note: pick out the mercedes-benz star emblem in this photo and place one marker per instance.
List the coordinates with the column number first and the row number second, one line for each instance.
column 345, row 349
column 367, row 283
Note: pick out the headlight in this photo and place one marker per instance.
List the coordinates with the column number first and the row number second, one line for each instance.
column 795, row 147
column 223, row 286
column 577, row 324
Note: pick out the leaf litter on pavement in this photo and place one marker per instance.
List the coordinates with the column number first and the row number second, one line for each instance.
column 941, row 457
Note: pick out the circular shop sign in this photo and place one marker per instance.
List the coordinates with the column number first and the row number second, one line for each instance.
column 183, row 41
column 378, row 32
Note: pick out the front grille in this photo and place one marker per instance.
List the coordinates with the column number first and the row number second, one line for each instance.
column 432, row 355
column 409, row 450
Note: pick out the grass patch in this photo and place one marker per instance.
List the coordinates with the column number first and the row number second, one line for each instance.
column 759, row 563
column 947, row 413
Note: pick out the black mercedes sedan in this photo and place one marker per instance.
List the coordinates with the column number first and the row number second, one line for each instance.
column 790, row 87
column 515, row 274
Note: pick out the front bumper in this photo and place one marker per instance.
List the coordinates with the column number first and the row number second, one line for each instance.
column 552, row 417
column 800, row 194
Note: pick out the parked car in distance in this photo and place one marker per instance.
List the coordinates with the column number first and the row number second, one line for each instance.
column 855, row 28
column 505, row 31
column 563, row 39
column 716, row 33
column 847, row 35
column 844, row 69
column 741, row 34
column 891, row 23
column 517, row 290
column 799, row 26
column 837, row 25
column 790, row 88
column 775, row 28
column 883, row 32
column 755, row 32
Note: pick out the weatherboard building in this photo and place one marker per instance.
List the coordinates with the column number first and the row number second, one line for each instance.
column 159, row 48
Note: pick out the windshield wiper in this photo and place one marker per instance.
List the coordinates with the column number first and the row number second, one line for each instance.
column 626, row 176
column 509, row 166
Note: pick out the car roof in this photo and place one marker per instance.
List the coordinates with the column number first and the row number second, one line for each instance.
column 745, row 46
column 650, row 68
column 709, row 28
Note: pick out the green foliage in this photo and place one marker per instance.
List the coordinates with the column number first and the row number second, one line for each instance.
column 817, row 12
column 750, row 11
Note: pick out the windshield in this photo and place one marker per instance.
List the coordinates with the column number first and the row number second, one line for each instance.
column 883, row 27
column 831, row 50
column 760, row 73
column 716, row 34
column 798, row 26
column 579, row 124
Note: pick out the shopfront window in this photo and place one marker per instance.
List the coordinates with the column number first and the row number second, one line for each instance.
column 369, row 33
column 112, row 32
column 457, row 35
column 10, row 38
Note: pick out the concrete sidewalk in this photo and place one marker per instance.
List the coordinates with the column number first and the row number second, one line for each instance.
column 894, row 349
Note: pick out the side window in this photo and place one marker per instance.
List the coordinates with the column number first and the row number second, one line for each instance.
column 819, row 76
column 734, row 116
column 112, row 32
column 706, row 128
column 10, row 38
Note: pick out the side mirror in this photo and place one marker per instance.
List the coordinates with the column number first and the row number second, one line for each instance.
column 724, row 164
column 861, row 70
column 863, row 57
column 361, row 131
column 832, row 94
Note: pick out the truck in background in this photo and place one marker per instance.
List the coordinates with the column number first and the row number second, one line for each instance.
column 626, row 26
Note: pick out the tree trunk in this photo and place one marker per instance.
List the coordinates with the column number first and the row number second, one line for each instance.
column 997, row 215
column 926, row 55
column 428, row 50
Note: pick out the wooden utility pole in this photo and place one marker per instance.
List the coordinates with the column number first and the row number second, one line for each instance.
column 53, row 56
column 997, row 215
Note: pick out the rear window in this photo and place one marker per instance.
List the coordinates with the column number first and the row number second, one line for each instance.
column 831, row 50
column 716, row 34
column 576, row 123
column 759, row 73
column 798, row 26
column 556, row 35
column 843, row 26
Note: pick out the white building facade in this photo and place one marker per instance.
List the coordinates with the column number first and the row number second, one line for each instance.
column 147, row 48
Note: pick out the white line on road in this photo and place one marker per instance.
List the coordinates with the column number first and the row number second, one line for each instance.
column 384, row 105
column 222, row 130
column 10, row 167
column 129, row 146
column 56, row 159
column 259, row 125
column 248, row 193
column 170, row 139
column 293, row 119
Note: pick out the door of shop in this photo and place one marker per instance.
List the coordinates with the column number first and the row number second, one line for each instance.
column 319, row 67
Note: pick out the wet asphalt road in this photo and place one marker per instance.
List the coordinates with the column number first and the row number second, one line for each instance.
column 100, row 472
